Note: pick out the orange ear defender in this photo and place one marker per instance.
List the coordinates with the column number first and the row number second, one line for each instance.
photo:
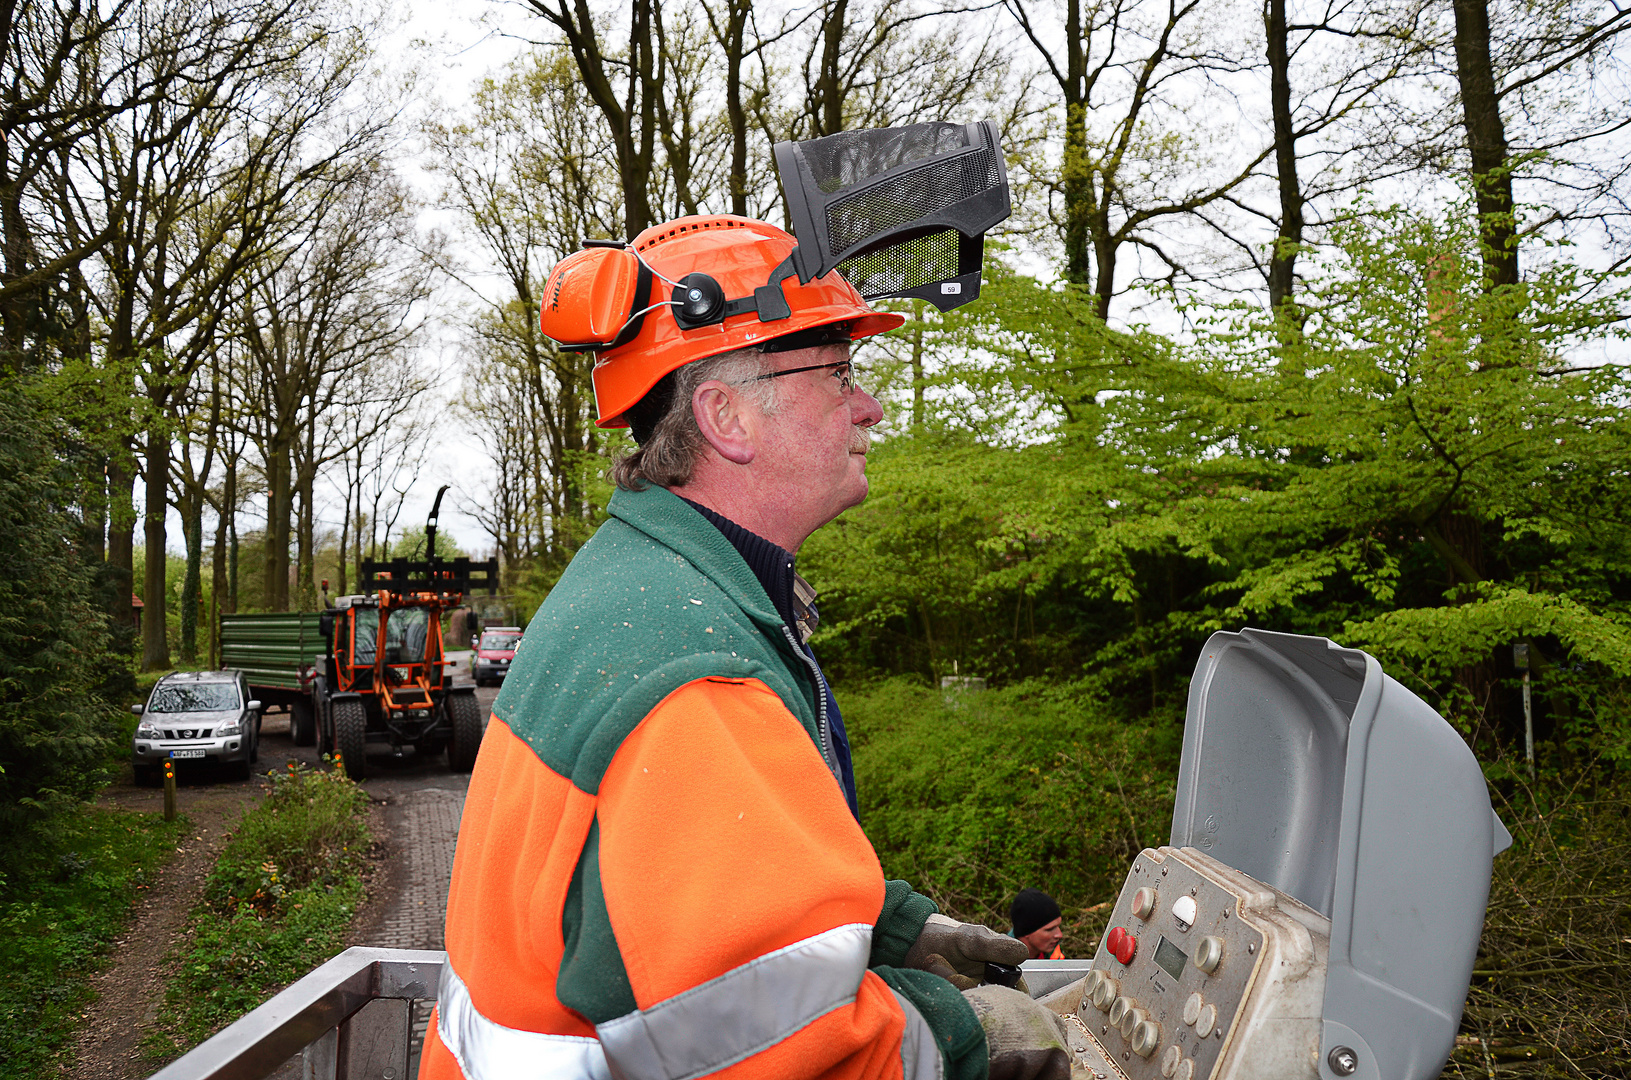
column 591, row 296
column 687, row 290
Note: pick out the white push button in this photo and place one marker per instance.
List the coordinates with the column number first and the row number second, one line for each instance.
column 1170, row 1060
column 1208, row 1018
column 1094, row 978
column 1129, row 1023
column 1192, row 1009
column 1209, row 954
column 1186, row 1070
column 1119, row 1010
column 1183, row 911
column 1105, row 994
column 1144, row 903
column 1146, row 1037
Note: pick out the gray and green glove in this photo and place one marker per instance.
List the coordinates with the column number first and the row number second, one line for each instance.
column 1026, row 1040
column 958, row 951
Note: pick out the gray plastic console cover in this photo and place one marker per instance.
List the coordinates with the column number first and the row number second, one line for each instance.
column 1309, row 769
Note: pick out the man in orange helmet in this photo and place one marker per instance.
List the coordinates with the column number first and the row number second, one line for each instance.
column 660, row 872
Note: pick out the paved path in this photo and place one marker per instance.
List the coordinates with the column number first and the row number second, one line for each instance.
column 421, row 804
column 409, row 892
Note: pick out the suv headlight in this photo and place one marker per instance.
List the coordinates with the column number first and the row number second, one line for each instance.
column 231, row 727
column 146, row 730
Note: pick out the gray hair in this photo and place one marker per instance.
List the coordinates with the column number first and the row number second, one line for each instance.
column 672, row 450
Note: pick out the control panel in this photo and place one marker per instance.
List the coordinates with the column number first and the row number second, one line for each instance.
column 1204, row 973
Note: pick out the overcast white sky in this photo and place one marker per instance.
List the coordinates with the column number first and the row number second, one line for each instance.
column 453, row 44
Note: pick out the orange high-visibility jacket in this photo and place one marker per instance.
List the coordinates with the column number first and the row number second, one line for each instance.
column 657, row 875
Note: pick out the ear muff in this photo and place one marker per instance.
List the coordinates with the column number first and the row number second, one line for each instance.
column 595, row 299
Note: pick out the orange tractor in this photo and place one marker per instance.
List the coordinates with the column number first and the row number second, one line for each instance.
column 383, row 678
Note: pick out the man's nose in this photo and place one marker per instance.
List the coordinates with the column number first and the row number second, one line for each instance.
column 864, row 409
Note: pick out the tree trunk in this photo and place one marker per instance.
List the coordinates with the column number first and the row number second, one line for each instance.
column 829, row 87
column 1104, row 259
column 155, row 638
column 93, row 515
column 192, row 528
column 1486, row 140
column 1283, row 262
column 122, row 541
column 278, row 512
column 229, row 507
column 1077, row 175
column 306, row 574
column 734, row 110
column 218, row 582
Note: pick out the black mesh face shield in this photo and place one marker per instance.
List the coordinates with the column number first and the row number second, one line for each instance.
column 898, row 211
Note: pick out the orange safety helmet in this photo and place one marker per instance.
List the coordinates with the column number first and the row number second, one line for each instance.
column 686, row 290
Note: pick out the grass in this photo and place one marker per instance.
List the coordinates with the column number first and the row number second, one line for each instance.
column 59, row 912
column 278, row 903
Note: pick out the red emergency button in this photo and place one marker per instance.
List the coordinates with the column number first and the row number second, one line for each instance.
column 1121, row 944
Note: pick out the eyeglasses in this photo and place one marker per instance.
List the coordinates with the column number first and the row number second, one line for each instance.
column 843, row 371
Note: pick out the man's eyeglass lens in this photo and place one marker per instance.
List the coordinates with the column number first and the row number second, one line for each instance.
column 843, row 371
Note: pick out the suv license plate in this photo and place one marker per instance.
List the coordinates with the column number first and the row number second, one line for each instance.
column 186, row 753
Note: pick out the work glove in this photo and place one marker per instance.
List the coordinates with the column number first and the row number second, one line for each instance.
column 1026, row 1040
column 958, row 951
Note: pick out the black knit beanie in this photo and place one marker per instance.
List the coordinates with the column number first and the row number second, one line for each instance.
column 1033, row 909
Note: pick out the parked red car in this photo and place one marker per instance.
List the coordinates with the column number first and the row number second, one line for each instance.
column 494, row 652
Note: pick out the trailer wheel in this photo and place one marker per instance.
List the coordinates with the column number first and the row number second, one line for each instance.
column 465, row 713
column 350, row 735
column 301, row 728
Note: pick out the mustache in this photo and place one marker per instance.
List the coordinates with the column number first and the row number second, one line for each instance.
column 860, row 440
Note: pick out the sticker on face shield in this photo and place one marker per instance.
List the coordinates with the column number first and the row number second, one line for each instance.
column 951, row 288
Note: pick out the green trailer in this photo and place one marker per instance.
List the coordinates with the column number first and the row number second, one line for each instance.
column 279, row 653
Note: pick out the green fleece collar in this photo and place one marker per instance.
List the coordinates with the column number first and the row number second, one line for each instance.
column 666, row 518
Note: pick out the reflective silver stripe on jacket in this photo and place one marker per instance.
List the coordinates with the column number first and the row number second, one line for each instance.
column 490, row 1051
column 919, row 1056
column 741, row 1012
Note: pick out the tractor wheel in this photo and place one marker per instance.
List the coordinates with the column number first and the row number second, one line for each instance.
column 301, row 728
column 325, row 718
column 465, row 713
column 350, row 735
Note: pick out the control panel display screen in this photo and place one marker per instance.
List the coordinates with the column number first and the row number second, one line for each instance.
column 1171, row 958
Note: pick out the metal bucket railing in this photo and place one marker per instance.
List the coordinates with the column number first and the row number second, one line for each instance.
column 349, row 1019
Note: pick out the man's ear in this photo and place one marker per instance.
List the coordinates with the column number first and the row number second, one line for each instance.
column 721, row 415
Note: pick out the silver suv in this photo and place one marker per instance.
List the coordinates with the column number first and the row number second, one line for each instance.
column 197, row 716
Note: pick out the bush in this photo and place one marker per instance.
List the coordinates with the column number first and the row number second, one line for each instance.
column 278, row 903
column 64, row 903
column 1549, row 995
column 308, row 833
column 55, row 729
column 974, row 797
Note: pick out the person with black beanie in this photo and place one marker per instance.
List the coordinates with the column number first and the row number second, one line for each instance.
column 1037, row 922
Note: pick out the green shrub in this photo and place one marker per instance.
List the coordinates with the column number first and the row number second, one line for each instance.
column 1549, row 996
column 55, row 728
column 59, row 910
column 308, row 833
column 278, row 903
column 974, row 797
